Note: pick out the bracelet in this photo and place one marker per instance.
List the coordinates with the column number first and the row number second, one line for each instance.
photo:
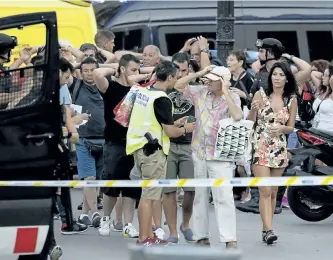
column 185, row 130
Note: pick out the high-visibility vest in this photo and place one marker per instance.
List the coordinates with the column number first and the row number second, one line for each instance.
column 143, row 120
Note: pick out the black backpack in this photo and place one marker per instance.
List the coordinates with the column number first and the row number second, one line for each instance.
column 305, row 101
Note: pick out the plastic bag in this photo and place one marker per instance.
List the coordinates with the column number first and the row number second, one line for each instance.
column 123, row 110
column 135, row 173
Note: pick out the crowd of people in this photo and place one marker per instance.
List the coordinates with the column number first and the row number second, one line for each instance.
column 180, row 104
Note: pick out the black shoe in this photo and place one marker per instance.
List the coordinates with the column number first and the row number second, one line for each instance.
column 99, row 203
column 77, row 229
column 79, row 207
column 279, row 198
column 252, row 205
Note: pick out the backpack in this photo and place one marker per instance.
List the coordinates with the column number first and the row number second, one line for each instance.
column 305, row 101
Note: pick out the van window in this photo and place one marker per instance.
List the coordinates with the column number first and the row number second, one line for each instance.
column 128, row 40
column 22, row 85
column 133, row 40
column 288, row 39
column 175, row 41
column 119, row 41
column 320, row 45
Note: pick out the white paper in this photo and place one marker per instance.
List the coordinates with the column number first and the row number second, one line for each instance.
column 83, row 123
column 77, row 108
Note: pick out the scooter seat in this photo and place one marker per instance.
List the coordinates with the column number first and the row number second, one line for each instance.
column 323, row 133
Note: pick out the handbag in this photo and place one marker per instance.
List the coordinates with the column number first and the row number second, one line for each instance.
column 95, row 149
column 123, row 110
column 234, row 141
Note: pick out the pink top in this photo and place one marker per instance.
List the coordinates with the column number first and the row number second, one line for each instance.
column 208, row 117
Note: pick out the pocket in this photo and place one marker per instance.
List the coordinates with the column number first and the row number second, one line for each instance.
column 94, row 148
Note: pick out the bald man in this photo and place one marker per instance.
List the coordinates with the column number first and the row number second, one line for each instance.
column 151, row 56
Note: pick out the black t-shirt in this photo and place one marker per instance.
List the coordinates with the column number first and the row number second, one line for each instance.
column 183, row 107
column 247, row 81
column 260, row 80
column 163, row 109
column 114, row 132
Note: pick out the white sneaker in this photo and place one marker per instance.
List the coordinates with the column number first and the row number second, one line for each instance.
column 105, row 227
column 160, row 233
column 130, row 231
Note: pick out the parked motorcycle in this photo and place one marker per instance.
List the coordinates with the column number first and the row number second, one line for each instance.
column 312, row 203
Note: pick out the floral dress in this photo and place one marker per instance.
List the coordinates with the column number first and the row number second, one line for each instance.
column 270, row 151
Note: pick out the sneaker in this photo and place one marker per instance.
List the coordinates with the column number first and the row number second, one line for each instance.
column 56, row 217
column 160, row 233
column 96, row 220
column 84, row 219
column 104, row 227
column 130, row 231
column 188, row 234
column 152, row 242
column 55, row 253
column 117, row 227
column 77, row 228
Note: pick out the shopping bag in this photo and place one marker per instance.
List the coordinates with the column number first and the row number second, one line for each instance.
column 234, row 141
column 123, row 110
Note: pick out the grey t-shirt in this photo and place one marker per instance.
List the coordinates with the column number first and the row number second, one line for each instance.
column 92, row 103
column 182, row 107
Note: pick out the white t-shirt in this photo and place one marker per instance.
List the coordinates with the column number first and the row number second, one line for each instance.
column 324, row 117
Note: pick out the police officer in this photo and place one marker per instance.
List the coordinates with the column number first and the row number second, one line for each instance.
column 270, row 50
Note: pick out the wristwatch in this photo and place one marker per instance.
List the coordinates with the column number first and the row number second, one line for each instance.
column 204, row 50
column 70, row 134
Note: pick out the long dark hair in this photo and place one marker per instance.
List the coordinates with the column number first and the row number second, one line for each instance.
column 290, row 87
column 326, row 89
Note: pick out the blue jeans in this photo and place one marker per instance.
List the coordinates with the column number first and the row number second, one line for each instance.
column 89, row 165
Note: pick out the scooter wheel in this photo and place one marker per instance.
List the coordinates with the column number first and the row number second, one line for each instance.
column 304, row 212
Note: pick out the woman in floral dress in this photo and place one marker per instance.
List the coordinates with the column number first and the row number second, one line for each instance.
column 274, row 114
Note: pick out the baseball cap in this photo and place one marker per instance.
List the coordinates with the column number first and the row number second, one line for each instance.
column 65, row 43
column 219, row 73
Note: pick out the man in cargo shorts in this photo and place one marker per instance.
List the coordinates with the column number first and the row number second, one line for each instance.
column 180, row 163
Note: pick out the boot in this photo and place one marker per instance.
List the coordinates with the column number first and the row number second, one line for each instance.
column 279, row 198
column 253, row 204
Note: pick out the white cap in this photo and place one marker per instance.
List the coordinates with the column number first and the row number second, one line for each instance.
column 219, row 73
column 65, row 43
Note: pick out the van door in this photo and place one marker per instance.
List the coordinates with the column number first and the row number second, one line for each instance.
column 30, row 128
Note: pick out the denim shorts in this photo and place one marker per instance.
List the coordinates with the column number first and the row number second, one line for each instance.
column 292, row 140
column 87, row 164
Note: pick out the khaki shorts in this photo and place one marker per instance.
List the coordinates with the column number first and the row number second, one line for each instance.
column 180, row 164
column 153, row 167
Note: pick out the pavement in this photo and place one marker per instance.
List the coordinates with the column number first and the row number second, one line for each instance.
column 297, row 239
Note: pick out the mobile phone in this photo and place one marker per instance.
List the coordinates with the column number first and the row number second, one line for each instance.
column 191, row 119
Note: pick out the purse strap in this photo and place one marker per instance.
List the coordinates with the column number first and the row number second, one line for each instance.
column 239, row 81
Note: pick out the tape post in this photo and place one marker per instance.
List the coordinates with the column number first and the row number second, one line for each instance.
column 179, row 183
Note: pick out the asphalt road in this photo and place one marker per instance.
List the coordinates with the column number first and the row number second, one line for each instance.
column 297, row 239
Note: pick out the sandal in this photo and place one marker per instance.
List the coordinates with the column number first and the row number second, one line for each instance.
column 231, row 245
column 203, row 242
column 263, row 236
column 270, row 237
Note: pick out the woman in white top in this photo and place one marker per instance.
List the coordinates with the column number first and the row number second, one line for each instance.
column 323, row 105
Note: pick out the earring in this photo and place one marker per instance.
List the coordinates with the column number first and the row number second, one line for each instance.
column 286, row 81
